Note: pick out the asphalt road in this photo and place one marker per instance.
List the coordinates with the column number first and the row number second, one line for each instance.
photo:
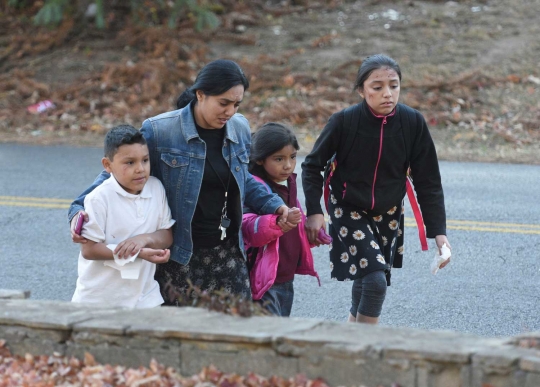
column 492, row 286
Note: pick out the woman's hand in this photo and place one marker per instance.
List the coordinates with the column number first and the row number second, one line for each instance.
column 293, row 219
column 155, row 255
column 283, row 212
column 313, row 224
column 440, row 240
column 295, row 216
column 76, row 238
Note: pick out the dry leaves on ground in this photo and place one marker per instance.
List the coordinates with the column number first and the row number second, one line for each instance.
column 216, row 300
column 482, row 107
column 57, row 370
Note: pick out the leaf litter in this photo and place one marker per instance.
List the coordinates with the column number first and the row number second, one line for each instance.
column 477, row 104
column 57, row 370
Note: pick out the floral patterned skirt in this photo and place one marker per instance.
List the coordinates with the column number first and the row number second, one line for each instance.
column 218, row 268
column 361, row 243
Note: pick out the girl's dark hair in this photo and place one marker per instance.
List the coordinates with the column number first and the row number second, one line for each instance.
column 372, row 63
column 121, row 135
column 267, row 140
column 214, row 79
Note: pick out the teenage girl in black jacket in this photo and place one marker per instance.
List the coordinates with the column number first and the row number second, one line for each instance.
column 367, row 190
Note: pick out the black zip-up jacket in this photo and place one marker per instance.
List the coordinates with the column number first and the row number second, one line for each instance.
column 375, row 171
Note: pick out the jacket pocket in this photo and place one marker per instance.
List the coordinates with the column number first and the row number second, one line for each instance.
column 243, row 157
column 240, row 169
column 174, row 160
column 173, row 170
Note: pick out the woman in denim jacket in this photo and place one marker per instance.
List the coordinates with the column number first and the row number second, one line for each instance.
column 200, row 153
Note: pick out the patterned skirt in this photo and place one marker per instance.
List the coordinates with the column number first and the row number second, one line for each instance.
column 218, row 268
column 361, row 243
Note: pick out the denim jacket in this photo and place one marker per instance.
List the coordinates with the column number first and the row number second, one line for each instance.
column 177, row 156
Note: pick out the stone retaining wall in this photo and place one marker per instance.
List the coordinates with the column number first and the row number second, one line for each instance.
column 7, row 294
column 343, row 354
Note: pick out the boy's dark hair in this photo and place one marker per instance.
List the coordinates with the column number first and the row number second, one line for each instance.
column 267, row 140
column 214, row 79
column 121, row 135
column 372, row 63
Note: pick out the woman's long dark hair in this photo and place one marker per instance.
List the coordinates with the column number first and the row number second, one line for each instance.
column 267, row 140
column 214, row 79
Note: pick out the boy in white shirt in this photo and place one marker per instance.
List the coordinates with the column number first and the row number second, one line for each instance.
column 127, row 214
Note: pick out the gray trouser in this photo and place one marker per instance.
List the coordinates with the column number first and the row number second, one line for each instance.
column 368, row 294
column 278, row 299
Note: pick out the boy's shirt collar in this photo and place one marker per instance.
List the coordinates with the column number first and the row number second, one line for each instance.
column 145, row 193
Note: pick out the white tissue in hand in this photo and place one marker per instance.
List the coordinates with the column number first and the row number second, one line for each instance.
column 130, row 271
column 439, row 259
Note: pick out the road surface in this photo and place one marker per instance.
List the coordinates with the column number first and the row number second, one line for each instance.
column 492, row 286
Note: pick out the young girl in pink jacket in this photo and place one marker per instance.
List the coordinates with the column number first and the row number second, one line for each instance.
column 276, row 253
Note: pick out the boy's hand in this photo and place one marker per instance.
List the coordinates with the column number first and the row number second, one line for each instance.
column 130, row 246
column 295, row 216
column 155, row 256
column 75, row 237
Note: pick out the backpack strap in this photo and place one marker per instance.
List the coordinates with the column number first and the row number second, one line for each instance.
column 409, row 123
column 351, row 121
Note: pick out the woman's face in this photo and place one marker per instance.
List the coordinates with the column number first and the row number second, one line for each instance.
column 381, row 90
column 213, row 111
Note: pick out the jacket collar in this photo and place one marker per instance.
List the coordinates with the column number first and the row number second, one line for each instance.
column 190, row 131
column 366, row 112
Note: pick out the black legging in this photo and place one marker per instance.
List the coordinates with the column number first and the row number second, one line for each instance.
column 368, row 294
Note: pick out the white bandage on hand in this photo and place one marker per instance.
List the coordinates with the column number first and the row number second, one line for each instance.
column 438, row 260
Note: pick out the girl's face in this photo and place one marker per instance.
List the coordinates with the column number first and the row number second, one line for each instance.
column 280, row 165
column 381, row 90
column 213, row 111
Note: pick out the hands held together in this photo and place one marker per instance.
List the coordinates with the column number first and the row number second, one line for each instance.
column 314, row 224
column 289, row 218
column 129, row 247
column 138, row 243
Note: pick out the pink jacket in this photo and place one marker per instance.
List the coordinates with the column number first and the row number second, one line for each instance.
column 262, row 231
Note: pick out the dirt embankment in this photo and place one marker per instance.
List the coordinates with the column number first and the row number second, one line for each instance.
column 470, row 67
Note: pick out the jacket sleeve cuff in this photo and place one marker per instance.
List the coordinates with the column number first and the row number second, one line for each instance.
column 432, row 233
column 308, row 214
column 316, row 210
column 73, row 211
column 272, row 205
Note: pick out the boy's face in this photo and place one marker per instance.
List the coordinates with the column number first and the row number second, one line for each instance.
column 130, row 166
